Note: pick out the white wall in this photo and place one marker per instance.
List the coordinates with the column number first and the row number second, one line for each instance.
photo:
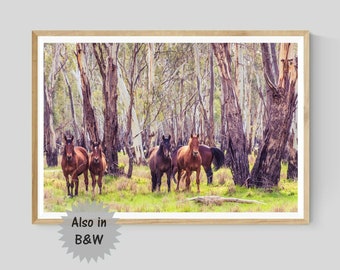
column 172, row 247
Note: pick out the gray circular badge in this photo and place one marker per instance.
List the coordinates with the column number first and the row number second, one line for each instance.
column 89, row 231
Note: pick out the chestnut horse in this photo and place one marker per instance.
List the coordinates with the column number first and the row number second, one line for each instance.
column 160, row 163
column 189, row 160
column 97, row 166
column 209, row 155
column 74, row 162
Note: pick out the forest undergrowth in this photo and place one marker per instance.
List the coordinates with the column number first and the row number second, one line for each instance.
column 122, row 194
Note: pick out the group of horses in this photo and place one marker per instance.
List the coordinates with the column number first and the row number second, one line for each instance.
column 76, row 161
column 183, row 161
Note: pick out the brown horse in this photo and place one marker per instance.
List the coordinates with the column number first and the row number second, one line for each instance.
column 209, row 155
column 74, row 162
column 189, row 160
column 160, row 163
column 97, row 166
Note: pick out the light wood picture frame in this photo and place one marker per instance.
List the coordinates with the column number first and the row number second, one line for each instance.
column 259, row 119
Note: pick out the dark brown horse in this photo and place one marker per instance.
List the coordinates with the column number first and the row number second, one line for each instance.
column 160, row 163
column 209, row 155
column 74, row 162
column 97, row 166
column 189, row 159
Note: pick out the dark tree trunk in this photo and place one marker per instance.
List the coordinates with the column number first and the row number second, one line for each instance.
column 223, row 131
column 108, row 71
column 91, row 123
column 292, row 172
column 267, row 168
column 236, row 141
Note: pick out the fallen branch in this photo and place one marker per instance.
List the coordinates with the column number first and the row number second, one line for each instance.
column 220, row 200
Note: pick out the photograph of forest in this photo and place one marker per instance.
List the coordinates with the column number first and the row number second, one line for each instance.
column 171, row 126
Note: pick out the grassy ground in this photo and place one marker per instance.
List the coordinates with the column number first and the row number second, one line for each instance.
column 134, row 195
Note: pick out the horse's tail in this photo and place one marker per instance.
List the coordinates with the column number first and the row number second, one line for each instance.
column 218, row 158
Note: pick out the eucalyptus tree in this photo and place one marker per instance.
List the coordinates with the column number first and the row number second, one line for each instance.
column 235, row 141
column 107, row 59
column 281, row 105
column 51, row 73
column 91, row 126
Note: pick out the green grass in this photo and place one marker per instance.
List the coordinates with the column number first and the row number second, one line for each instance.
column 121, row 194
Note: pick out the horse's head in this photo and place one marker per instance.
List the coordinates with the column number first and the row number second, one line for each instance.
column 96, row 152
column 165, row 146
column 194, row 144
column 69, row 147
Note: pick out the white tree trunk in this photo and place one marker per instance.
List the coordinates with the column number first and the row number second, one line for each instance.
column 137, row 142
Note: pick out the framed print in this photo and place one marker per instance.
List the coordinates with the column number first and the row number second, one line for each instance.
column 172, row 127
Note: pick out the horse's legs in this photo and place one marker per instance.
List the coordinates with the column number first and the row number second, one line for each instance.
column 159, row 181
column 209, row 173
column 71, row 188
column 187, row 183
column 93, row 176
column 86, row 180
column 68, row 184
column 76, row 181
column 198, row 179
column 179, row 173
column 100, row 183
column 73, row 176
column 154, row 181
column 168, row 175
column 173, row 173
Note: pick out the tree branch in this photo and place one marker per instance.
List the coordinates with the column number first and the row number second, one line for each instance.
column 100, row 61
column 220, row 200
column 270, row 83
